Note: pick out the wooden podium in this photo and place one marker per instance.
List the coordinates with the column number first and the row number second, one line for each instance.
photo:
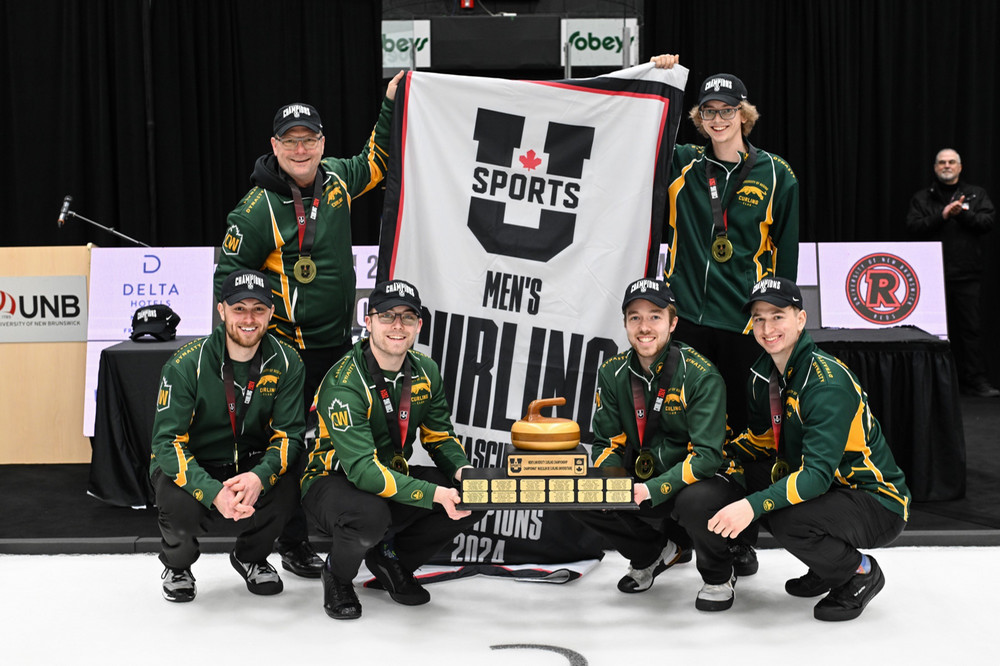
column 42, row 387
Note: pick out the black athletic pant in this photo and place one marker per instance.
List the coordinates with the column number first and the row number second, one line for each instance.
column 316, row 362
column 826, row 532
column 356, row 520
column 183, row 519
column 640, row 535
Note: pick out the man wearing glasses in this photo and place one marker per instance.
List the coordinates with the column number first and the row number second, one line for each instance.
column 228, row 421
column 733, row 220
column 295, row 226
column 358, row 484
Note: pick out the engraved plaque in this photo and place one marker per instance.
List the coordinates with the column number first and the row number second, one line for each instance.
column 619, row 496
column 618, row 484
column 504, row 485
column 562, row 485
column 590, row 484
column 591, row 496
column 533, row 496
column 475, row 485
column 504, row 497
column 561, row 496
column 475, row 497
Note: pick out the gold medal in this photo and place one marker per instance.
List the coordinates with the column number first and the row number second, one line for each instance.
column 644, row 465
column 722, row 249
column 304, row 270
column 399, row 464
column 779, row 470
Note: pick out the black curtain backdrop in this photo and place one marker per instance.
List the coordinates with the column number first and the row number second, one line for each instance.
column 858, row 96
column 151, row 112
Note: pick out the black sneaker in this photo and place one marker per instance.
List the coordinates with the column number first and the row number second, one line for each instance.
column 845, row 602
column 744, row 559
column 640, row 580
column 178, row 585
column 397, row 581
column 261, row 577
column 809, row 585
column 301, row 560
column 340, row 601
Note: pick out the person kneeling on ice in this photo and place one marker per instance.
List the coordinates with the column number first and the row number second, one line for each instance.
column 835, row 486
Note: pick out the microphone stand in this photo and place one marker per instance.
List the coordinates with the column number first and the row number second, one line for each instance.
column 110, row 230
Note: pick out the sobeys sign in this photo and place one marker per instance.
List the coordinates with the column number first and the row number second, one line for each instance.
column 405, row 45
column 601, row 42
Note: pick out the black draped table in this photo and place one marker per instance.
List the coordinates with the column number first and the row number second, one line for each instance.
column 912, row 388
column 127, row 387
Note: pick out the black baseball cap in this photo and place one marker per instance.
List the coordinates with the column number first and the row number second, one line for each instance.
column 723, row 87
column 298, row 114
column 776, row 291
column 157, row 320
column 654, row 291
column 390, row 293
column 246, row 283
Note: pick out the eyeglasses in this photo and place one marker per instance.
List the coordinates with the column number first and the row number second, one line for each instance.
column 408, row 318
column 727, row 113
column 291, row 143
column 256, row 311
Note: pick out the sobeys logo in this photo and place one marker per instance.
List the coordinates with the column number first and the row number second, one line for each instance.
column 592, row 42
column 403, row 44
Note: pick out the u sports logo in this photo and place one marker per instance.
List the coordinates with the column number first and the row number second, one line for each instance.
column 550, row 180
column 882, row 288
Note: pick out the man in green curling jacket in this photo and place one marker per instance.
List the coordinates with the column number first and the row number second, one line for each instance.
column 228, row 423
column 295, row 226
column 835, row 486
column 661, row 415
column 358, row 484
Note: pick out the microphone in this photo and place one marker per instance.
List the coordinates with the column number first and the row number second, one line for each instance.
column 65, row 209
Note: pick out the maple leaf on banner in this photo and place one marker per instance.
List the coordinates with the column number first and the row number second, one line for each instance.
column 530, row 160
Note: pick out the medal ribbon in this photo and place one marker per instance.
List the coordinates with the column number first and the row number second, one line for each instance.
column 775, row 394
column 639, row 399
column 306, row 226
column 397, row 435
column 720, row 216
column 236, row 416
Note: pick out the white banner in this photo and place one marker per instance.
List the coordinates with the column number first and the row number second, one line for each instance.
column 521, row 210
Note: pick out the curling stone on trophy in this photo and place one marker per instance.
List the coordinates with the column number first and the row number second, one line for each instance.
column 546, row 467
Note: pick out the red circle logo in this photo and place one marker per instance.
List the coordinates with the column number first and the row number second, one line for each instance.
column 882, row 288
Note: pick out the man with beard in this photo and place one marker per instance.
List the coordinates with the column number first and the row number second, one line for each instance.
column 294, row 225
column 228, row 422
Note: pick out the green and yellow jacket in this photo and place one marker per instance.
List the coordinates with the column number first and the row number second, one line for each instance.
column 763, row 226
column 354, row 434
column 687, row 443
column 829, row 437
column 192, row 429
column 263, row 235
